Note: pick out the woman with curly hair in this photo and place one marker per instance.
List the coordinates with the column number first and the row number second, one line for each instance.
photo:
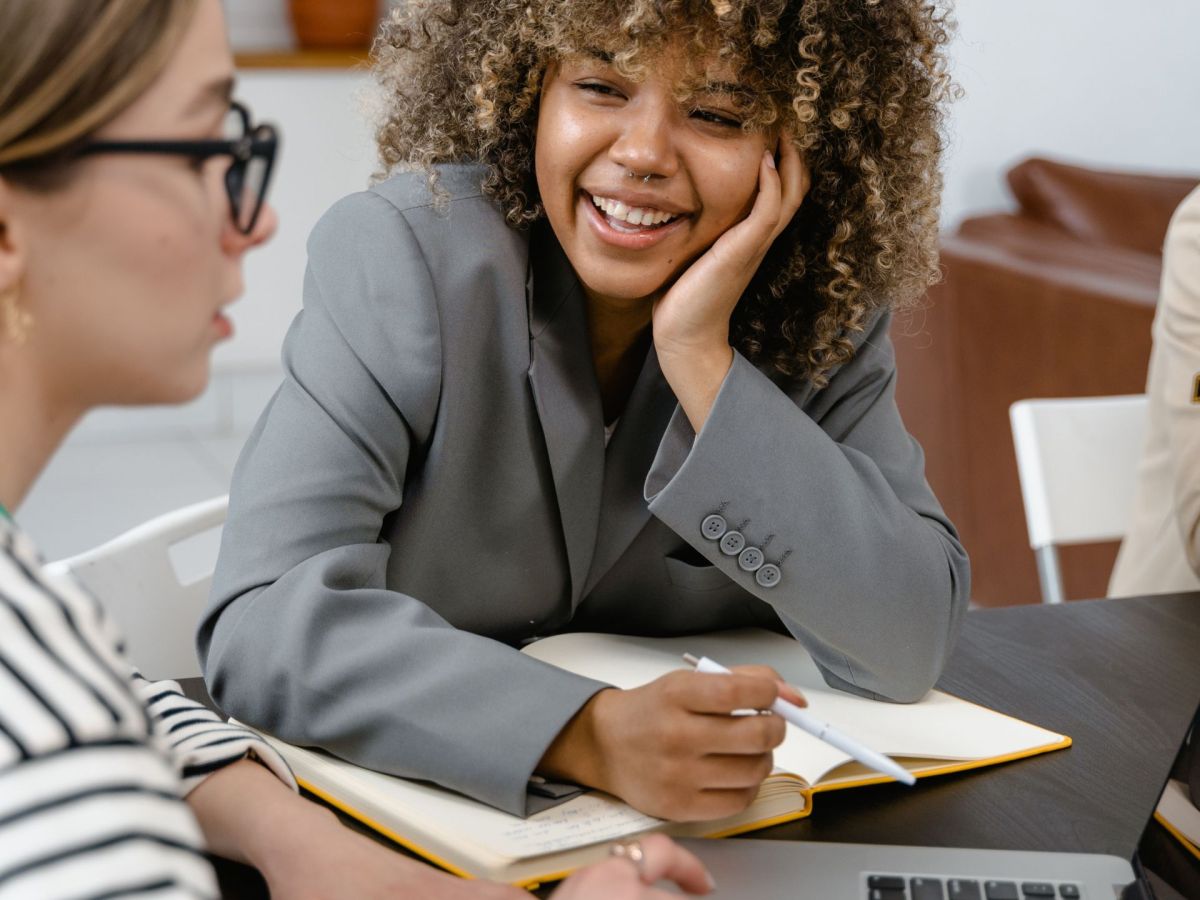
column 607, row 351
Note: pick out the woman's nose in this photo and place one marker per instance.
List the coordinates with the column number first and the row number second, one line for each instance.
column 646, row 144
column 264, row 229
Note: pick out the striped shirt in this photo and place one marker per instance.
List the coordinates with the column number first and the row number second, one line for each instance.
column 94, row 759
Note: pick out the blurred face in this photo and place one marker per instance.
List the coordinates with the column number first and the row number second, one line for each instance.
column 600, row 134
column 126, row 270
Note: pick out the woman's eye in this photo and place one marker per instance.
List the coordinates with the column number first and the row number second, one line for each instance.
column 715, row 118
column 604, row 90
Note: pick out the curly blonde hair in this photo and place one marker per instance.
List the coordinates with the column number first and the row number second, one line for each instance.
column 859, row 85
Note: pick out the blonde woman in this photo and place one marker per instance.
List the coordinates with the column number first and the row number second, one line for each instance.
column 624, row 368
column 126, row 206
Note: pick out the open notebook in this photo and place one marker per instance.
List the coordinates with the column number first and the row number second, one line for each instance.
column 1179, row 816
column 937, row 735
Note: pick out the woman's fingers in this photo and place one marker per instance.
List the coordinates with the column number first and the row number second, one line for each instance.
column 748, row 735
column 709, row 693
column 768, row 204
column 795, row 180
column 743, row 246
column 731, row 771
column 786, row 691
column 691, row 321
column 672, row 748
column 631, row 877
column 663, row 858
column 675, row 748
column 719, row 803
column 781, row 190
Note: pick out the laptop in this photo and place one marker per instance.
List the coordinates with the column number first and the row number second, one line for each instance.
column 748, row 869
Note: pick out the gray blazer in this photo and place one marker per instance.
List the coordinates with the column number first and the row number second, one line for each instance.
column 430, row 487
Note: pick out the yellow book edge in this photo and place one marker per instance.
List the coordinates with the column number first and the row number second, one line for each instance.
column 382, row 829
column 948, row 768
column 1177, row 834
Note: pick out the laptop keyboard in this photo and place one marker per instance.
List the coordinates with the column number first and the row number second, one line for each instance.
column 924, row 887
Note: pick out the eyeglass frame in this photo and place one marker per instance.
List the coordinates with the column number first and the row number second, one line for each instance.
column 260, row 140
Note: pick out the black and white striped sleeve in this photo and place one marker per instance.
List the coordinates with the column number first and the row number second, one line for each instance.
column 88, row 807
column 94, row 760
column 199, row 742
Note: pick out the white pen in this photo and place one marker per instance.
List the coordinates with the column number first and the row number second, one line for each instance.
column 822, row 731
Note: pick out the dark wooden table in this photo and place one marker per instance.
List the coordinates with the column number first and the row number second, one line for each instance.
column 1121, row 677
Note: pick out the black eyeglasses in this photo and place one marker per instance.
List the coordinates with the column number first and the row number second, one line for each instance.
column 252, row 148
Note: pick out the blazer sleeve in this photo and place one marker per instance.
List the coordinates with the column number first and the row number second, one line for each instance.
column 302, row 636
column 872, row 578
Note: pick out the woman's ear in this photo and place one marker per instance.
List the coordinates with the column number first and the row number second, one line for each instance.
column 12, row 249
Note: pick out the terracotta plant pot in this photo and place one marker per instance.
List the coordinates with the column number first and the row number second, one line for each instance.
column 334, row 24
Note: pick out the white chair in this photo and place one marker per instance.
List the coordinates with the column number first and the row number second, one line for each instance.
column 1077, row 459
column 137, row 577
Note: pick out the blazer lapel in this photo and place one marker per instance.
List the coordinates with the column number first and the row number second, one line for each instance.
column 567, row 398
column 623, row 508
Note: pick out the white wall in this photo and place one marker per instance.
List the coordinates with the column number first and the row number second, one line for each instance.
column 1107, row 83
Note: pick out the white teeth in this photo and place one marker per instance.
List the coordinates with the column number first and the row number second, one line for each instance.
column 636, row 215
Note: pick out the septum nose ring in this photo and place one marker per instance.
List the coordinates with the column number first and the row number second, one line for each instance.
column 645, row 178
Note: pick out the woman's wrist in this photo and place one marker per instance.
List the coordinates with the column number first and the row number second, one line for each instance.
column 249, row 815
column 695, row 376
column 298, row 827
column 576, row 755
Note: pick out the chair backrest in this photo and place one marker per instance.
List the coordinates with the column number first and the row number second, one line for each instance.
column 154, row 581
column 1077, row 459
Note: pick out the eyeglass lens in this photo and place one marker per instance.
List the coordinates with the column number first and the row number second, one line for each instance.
column 245, row 181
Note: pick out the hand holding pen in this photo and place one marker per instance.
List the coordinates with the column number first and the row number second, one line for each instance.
column 672, row 747
column 819, row 729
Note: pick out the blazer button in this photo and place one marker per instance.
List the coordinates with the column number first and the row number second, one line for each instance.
column 713, row 527
column 732, row 543
column 750, row 559
column 768, row 576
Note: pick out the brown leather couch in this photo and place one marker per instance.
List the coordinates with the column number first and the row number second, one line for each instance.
column 1053, row 300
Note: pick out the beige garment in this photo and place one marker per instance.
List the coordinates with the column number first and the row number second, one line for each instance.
column 1161, row 552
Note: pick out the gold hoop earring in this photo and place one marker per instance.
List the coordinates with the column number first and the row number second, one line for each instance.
column 17, row 322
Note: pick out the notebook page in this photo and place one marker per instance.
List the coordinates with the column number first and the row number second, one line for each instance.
column 455, row 820
column 938, row 727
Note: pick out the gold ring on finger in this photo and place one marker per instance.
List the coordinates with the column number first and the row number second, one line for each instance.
column 632, row 851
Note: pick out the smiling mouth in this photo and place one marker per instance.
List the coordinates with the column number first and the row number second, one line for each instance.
column 631, row 219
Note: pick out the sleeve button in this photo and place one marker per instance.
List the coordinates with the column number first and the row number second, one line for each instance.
column 768, row 576
column 713, row 527
column 732, row 543
column 750, row 559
